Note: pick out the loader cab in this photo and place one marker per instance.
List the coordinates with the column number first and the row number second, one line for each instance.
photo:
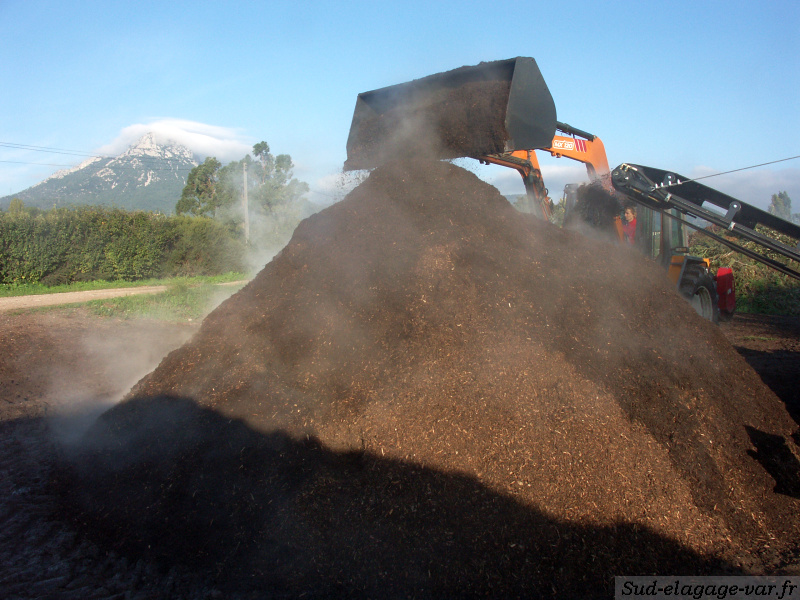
column 659, row 235
column 664, row 238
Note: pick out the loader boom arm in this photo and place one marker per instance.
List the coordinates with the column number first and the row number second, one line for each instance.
column 583, row 147
column 577, row 145
column 664, row 190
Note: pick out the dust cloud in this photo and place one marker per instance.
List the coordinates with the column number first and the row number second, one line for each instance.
column 109, row 368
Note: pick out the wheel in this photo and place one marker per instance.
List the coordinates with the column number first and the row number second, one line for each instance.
column 699, row 288
column 703, row 297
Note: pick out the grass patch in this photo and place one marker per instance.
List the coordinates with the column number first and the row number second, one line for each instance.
column 32, row 289
column 183, row 301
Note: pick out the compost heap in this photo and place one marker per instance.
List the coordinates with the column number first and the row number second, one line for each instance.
column 429, row 394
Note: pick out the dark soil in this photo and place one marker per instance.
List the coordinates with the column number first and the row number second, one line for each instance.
column 595, row 209
column 429, row 394
column 54, row 558
column 58, row 369
column 771, row 346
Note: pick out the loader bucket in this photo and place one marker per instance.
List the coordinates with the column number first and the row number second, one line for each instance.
column 489, row 108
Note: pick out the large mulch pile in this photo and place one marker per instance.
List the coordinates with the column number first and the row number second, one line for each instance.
column 428, row 394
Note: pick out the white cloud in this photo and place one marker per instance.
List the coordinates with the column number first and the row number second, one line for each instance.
column 225, row 143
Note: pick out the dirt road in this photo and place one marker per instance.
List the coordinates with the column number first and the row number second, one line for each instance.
column 40, row 300
column 59, row 368
column 21, row 302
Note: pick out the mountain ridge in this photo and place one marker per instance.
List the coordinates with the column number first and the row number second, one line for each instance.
column 149, row 175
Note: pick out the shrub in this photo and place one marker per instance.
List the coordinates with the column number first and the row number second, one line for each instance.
column 759, row 288
column 64, row 245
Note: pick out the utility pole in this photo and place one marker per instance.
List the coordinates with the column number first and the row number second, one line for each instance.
column 244, row 203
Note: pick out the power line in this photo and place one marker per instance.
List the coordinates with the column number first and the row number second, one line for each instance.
column 119, row 167
column 124, row 168
column 29, row 147
column 42, row 149
column 21, row 162
column 47, row 149
column 772, row 162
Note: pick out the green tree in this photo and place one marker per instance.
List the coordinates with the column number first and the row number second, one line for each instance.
column 266, row 160
column 16, row 206
column 277, row 186
column 558, row 212
column 231, row 180
column 200, row 195
column 216, row 191
column 781, row 206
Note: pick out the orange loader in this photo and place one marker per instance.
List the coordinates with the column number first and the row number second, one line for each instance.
column 502, row 113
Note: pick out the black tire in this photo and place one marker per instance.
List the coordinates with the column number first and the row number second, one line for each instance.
column 703, row 296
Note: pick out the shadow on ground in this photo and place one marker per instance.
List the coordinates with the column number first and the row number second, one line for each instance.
column 778, row 371
column 162, row 477
column 774, row 454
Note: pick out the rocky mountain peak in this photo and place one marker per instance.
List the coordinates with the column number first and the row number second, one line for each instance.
column 149, row 145
column 149, row 175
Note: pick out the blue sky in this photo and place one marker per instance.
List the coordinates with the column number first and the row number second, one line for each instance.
column 695, row 87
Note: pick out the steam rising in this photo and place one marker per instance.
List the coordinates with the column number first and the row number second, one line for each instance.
column 112, row 367
column 422, row 338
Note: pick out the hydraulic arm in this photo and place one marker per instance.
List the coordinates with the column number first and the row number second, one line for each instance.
column 664, row 190
column 577, row 145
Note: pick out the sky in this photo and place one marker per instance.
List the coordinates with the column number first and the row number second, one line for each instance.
column 699, row 88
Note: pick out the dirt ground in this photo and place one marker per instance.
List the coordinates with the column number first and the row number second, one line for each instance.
column 59, row 368
column 771, row 345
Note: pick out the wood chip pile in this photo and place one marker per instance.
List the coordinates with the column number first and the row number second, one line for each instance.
column 428, row 394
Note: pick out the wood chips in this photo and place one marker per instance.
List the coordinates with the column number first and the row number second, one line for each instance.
column 428, row 394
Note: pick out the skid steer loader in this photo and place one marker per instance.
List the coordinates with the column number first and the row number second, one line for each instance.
column 502, row 112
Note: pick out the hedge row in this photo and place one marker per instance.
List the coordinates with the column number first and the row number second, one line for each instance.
column 759, row 289
column 63, row 245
